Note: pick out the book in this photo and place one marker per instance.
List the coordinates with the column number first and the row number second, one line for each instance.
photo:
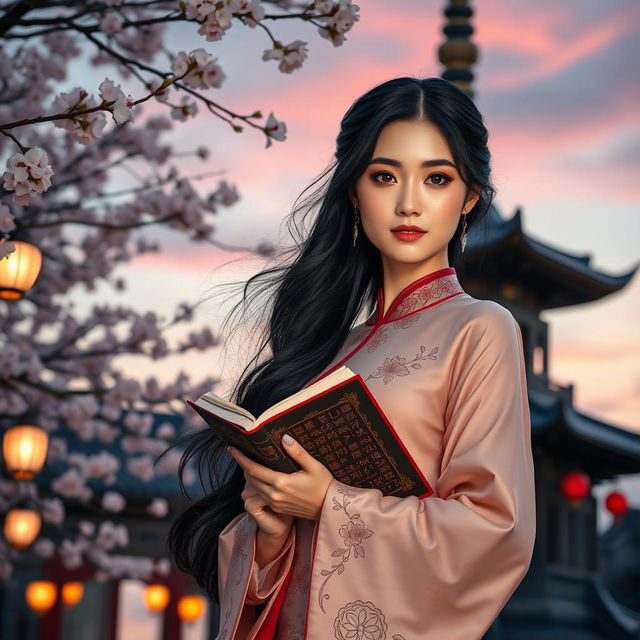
column 337, row 420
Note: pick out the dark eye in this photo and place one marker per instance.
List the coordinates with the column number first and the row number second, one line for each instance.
column 442, row 179
column 381, row 173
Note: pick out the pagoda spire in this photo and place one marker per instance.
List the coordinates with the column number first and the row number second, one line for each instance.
column 458, row 53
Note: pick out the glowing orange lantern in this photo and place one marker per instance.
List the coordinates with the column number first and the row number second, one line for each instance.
column 21, row 526
column 72, row 593
column 156, row 597
column 41, row 596
column 24, row 448
column 19, row 270
column 191, row 608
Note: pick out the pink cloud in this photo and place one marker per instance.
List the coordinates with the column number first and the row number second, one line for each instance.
column 194, row 259
column 555, row 53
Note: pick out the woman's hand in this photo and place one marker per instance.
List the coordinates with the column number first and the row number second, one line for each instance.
column 300, row 493
column 270, row 524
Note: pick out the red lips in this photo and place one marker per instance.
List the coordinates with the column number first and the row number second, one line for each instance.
column 408, row 227
column 408, row 232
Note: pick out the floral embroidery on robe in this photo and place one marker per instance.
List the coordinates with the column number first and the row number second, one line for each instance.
column 398, row 366
column 448, row 371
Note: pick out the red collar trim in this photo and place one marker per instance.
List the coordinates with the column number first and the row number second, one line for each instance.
column 424, row 292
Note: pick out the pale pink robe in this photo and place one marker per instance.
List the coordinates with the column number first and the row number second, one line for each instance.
column 448, row 371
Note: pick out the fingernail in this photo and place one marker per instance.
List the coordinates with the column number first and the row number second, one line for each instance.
column 287, row 439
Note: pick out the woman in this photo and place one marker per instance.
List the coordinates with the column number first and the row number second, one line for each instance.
column 304, row 556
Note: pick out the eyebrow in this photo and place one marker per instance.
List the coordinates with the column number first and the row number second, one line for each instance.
column 426, row 163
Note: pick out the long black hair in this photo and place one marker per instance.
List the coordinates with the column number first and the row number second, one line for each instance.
column 321, row 284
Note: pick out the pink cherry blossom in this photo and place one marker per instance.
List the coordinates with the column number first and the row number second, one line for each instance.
column 65, row 357
column 44, row 548
column 71, row 485
column 161, row 95
column 6, row 219
column 122, row 107
column 6, row 249
column 28, row 174
column 112, row 501
column 141, row 467
column 163, row 567
column 83, row 128
column 111, row 23
column 185, row 110
column 158, row 508
column 275, row 130
column 53, row 510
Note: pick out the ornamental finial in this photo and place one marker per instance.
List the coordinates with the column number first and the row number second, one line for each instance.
column 458, row 53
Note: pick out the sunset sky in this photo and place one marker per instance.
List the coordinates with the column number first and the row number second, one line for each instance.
column 557, row 84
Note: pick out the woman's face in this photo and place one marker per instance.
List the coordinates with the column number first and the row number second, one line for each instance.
column 396, row 189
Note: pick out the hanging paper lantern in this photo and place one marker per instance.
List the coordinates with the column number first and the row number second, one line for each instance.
column 19, row 270
column 41, row 596
column 156, row 597
column 576, row 486
column 191, row 608
column 24, row 448
column 72, row 593
column 616, row 504
column 21, row 526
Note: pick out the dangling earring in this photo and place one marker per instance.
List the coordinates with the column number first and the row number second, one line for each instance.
column 355, row 225
column 463, row 236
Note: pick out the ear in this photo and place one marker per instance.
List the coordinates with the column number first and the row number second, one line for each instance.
column 472, row 198
column 352, row 196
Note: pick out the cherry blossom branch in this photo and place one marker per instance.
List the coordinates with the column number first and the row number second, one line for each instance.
column 71, row 383
column 52, row 118
column 103, row 225
column 133, row 190
column 106, row 105
column 211, row 105
column 6, row 133
column 98, row 170
column 58, row 393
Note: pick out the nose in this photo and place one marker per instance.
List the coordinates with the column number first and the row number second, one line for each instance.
column 410, row 202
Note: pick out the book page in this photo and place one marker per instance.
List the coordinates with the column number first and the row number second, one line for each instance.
column 343, row 373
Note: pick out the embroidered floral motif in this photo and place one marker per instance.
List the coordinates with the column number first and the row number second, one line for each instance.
column 398, row 366
column 424, row 296
column 435, row 290
column 409, row 321
column 355, row 337
column 240, row 540
column 225, row 627
column 380, row 337
column 239, row 544
column 360, row 620
column 353, row 532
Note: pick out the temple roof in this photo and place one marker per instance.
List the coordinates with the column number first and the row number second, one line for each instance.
column 600, row 449
column 500, row 256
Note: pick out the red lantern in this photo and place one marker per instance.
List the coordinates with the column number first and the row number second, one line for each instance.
column 616, row 504
column 576, row 486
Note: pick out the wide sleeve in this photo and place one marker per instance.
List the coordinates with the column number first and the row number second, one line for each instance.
column 442, row 567
column 241, row 585
column 265, row 581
